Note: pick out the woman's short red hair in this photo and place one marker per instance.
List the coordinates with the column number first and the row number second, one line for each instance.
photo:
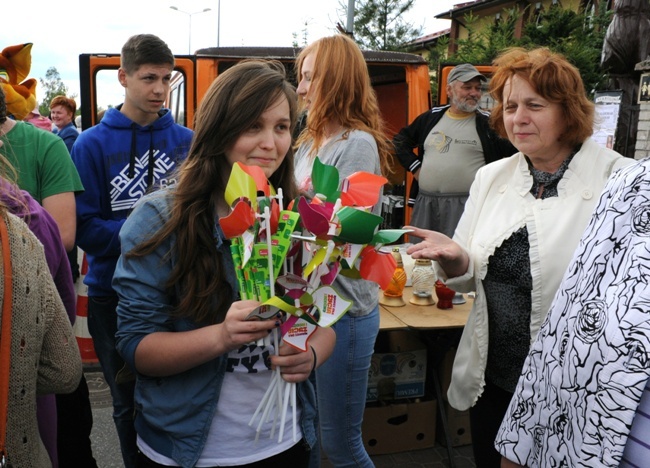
column 552, row 76
column 65, row 102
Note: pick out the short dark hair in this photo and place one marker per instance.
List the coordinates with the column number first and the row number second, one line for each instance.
column 144, row 49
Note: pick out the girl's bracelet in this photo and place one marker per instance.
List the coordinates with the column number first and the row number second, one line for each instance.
column 313, row 368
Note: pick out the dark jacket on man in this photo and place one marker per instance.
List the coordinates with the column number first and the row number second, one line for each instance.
column 414, row 135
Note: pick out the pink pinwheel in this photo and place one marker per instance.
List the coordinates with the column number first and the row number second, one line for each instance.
column 315, row 217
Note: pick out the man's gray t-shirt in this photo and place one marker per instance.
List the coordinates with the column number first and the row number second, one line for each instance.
column 452, row 155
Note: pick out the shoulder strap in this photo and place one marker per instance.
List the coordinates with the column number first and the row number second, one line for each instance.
column 5, row 335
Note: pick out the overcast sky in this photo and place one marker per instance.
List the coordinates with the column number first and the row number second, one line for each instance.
column 60, row 31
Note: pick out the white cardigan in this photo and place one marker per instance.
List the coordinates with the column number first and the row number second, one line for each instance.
column 499, row 204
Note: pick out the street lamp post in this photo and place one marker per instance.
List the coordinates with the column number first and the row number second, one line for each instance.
column 189, row 30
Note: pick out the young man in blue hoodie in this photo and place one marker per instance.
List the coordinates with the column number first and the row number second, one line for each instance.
column 133, row 150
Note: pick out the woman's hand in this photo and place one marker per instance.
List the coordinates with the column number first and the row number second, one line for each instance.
column 436, row 246
column 166, row 353
column 236, row 331
column 297, row 365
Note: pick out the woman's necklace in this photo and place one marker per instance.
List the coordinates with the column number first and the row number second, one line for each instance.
column 330, row 133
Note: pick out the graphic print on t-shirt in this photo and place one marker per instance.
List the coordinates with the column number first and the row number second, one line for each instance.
column 249, row 359
column 439, row 141
column 126, row 191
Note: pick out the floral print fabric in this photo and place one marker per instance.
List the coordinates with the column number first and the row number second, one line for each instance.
column 587, row 369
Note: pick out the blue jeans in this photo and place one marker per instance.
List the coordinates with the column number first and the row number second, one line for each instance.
column 342, row 382
column 102, row 325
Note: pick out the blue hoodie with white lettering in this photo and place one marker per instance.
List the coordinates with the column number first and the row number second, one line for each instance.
column 113, row 161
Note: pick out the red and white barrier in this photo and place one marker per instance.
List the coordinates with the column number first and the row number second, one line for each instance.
column 84, row 340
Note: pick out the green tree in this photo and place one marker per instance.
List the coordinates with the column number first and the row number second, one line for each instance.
column 304, row 36
column 51, row 86
column 379, row 24
column 579, row 36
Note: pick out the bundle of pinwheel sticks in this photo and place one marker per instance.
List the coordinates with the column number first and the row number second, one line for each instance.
column 302, row 249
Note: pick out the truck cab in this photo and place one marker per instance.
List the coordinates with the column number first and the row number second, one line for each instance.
column 401, row 81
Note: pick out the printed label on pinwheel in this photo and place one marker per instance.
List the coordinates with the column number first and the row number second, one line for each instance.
column 299, row 333
column 362, row 189
column 325, row 180
column 282, row 238
column 270, row 308
column 259, row 266
column 350, row 253
column 357, row 226
column 330, row 305
column 236, row 260
column 241, row 184
column 388, row 236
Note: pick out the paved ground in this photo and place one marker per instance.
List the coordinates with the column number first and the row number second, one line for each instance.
column 106, row 446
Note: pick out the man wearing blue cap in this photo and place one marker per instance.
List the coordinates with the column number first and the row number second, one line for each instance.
column 453, row 142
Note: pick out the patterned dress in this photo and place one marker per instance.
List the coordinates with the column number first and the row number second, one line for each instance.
column 583, row 379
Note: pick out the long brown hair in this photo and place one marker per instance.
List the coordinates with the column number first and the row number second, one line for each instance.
column 234, row 102
column 342, row 93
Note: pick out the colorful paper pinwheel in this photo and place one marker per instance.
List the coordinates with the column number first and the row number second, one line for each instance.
column 340, row 236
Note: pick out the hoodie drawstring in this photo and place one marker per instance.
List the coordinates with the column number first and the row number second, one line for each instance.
column 134, row 154
column 133, row 151
column 151, row 159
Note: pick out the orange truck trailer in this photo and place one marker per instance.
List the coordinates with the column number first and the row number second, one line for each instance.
column 401, row 81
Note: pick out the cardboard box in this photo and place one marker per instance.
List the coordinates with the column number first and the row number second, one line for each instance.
column 458, row 426
column 398, row 368
column 399, row 427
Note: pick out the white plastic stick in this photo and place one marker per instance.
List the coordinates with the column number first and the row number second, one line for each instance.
column 265, row 399
column 293, row 404
column 279, row 197
column 285, row 407
column 267, row 409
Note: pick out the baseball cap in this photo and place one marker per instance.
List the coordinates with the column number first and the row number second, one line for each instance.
column 464, row 72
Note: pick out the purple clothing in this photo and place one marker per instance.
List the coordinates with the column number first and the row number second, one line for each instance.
column 46, row 230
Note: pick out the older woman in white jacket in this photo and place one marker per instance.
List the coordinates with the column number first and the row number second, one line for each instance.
column 522, row 222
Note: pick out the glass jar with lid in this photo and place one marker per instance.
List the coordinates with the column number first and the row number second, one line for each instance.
column 423, row 279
